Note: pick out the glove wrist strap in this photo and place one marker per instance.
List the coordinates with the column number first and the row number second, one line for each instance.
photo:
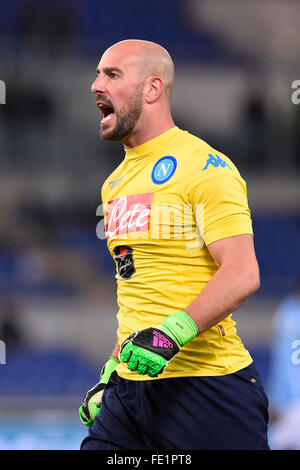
column 181, row 327
column 108, row 369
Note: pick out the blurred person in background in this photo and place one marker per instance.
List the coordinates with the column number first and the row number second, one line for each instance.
column 255, row 123
column 10, row 324
column 52, row 22
column 296, row 136
column 284, row 380
column 25, row 129
column 179, row 376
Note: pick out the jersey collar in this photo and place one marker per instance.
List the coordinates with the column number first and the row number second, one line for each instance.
column 150, row 146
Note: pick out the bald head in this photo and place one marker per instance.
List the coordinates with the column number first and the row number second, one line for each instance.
column 133, row 89
column 149, row 58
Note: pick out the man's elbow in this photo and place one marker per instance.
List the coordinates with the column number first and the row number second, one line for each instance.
column 253, row 281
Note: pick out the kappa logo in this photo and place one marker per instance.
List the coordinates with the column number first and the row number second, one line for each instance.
column 163, row 169
column 161, row 341
column 215, row 161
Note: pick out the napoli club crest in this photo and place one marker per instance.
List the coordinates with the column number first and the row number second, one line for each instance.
column 163, row 169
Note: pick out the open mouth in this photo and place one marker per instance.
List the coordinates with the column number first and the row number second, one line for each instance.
column 106, row 111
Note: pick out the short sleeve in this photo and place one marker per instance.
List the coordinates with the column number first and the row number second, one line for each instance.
column 224, row 206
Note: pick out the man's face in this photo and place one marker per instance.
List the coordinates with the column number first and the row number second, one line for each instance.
column 119, row 95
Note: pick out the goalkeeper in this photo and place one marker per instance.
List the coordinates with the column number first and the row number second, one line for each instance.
column 179, row 376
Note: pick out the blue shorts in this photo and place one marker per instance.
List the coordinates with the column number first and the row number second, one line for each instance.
column 187, row 413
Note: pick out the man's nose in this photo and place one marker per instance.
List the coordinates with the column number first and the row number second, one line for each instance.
column 98, row 86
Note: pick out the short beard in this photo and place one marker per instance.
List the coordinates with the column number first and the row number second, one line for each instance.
column 127, row 117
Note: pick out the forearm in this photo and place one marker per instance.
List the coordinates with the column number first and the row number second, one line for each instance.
column 149, row 351
column 115, row 352
column 228, row 289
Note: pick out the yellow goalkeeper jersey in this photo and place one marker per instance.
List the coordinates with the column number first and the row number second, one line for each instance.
column 164, row 204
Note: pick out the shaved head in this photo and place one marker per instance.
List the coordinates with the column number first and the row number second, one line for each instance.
column 133, row 91
column 149, row 58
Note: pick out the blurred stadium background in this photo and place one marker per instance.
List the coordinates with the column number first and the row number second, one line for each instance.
column 235, row 64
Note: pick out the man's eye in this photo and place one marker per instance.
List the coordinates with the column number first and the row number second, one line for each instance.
column 114, row 75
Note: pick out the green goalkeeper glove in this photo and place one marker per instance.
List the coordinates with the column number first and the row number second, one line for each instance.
column 149, row 351
column 91, row 404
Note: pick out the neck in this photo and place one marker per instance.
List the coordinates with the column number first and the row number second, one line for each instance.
column 147, row 130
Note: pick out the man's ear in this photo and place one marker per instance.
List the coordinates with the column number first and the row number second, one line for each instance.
column 154, row 89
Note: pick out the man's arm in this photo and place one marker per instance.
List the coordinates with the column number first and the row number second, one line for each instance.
column 116, row 351
column 236, row 279
column 91, row 403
